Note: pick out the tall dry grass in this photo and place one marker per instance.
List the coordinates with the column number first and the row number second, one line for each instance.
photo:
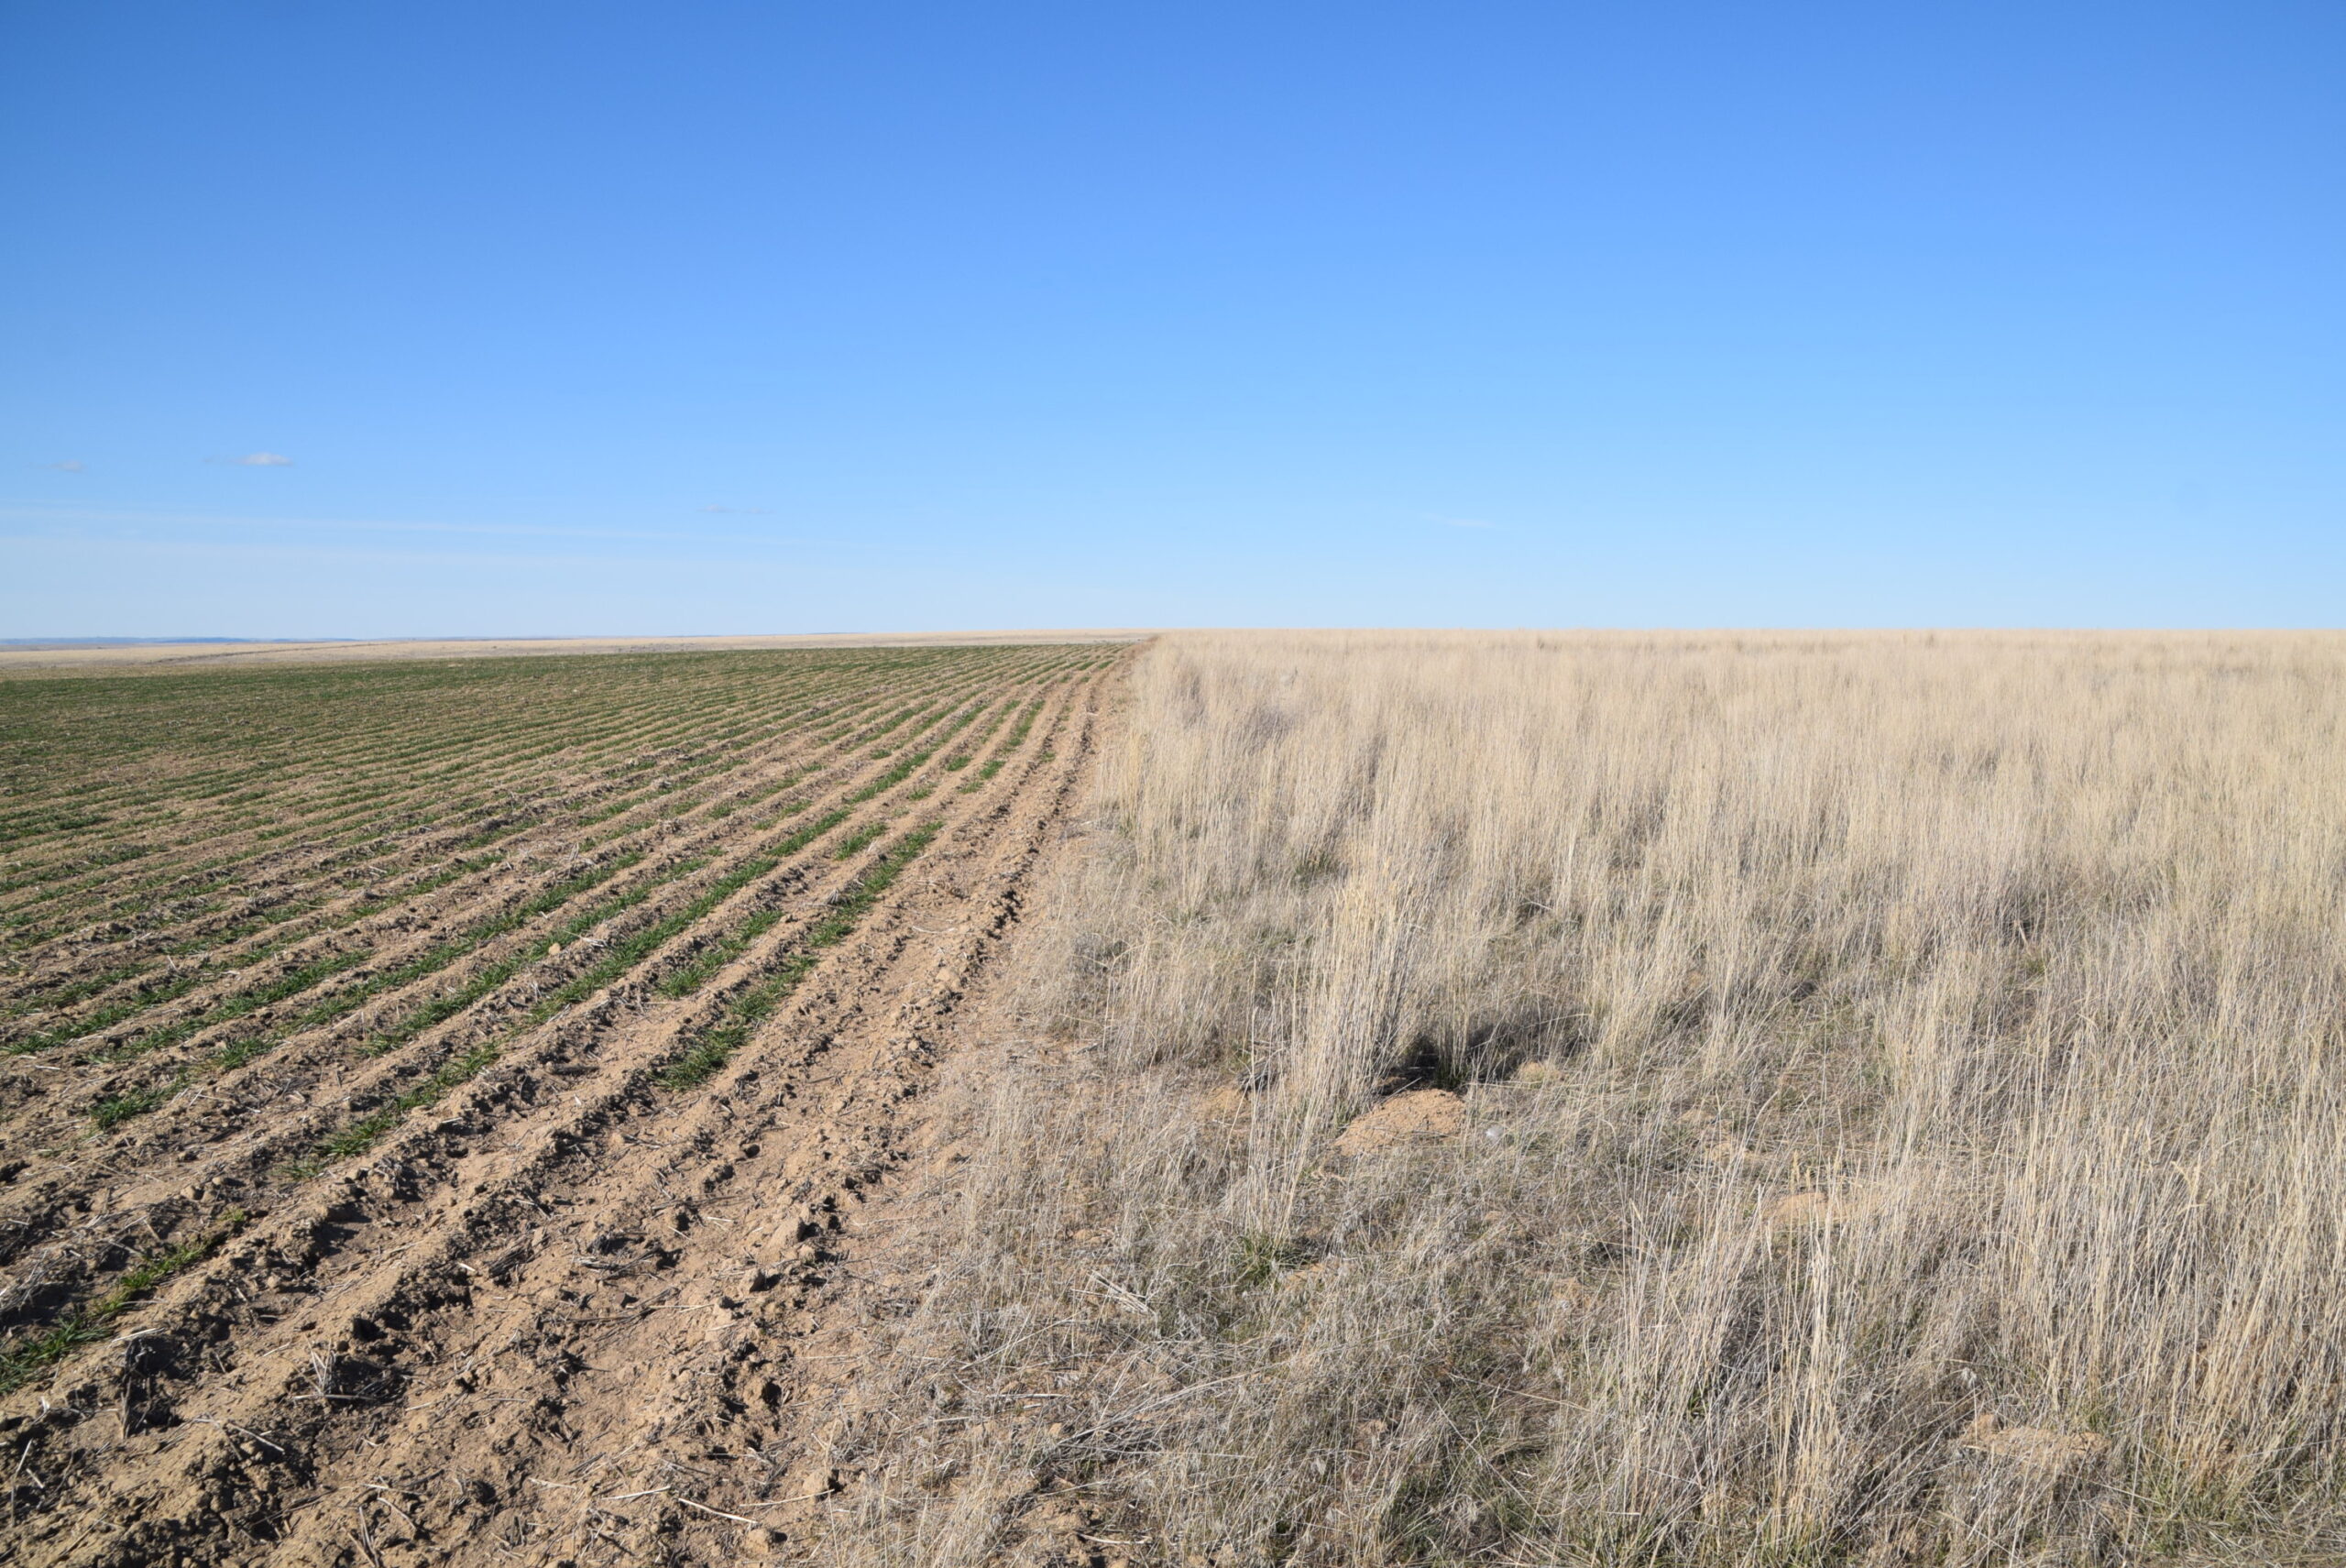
column 1905, row 1090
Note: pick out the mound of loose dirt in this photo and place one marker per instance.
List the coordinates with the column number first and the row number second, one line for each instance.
column 2039, row 1448
column 1817, row 1206
column 1419, row 1116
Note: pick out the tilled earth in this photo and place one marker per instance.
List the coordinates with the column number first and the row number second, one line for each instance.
column 573, row 1308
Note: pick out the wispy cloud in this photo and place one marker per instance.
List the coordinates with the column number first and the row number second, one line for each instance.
column 169, row 549
column 71, row 465
column 263, row 460
column 53, row 514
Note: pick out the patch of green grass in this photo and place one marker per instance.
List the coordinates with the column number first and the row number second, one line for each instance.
column 616, row 960
column 491, row 835
column 68, row 992
column 34, row 828
column 364, row 1133
column 702, row 1059
column 890, row 779
column 228, row 1011
column 812, row 831
column 98, row 861
column 624, row 954
column 33, row 1354
column 440, row 955
column 106, row 1017
column 709, row 959
column 449, row 1003
column 684, row 981
column 113, row 1112
column 858, row 840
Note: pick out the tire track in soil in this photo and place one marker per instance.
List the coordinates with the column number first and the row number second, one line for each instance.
column 564, row 1269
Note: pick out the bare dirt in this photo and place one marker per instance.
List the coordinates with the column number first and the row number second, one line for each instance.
column 571, row 1314
column 1414, row 1116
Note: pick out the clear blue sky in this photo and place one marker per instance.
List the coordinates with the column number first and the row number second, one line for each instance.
column 583, row 317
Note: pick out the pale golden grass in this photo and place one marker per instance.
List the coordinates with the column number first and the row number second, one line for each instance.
column 1905, row 1093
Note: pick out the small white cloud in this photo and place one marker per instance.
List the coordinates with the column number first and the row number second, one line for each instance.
column 264, row 460
column 71, row 465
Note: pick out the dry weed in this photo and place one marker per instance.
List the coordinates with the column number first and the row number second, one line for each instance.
column 1902, row 1107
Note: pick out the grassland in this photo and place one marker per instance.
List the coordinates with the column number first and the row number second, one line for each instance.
column 1688, row 1100
column 1663, row 1099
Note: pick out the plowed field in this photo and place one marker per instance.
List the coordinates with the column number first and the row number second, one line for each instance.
column 431, row 1095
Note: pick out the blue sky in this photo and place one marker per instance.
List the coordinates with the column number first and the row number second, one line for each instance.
column 777, row 317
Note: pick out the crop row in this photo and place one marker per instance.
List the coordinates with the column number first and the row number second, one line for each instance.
column 476, row 759
column 285, row 905
column 276, row 989
column 645, row 949
column 482, row 765
column 664, row 911
column 624, row 952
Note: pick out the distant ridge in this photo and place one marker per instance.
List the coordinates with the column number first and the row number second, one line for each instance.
column 137, row 642
column 26, row 655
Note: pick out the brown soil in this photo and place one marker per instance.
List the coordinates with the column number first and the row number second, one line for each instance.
column 1420, row 1116
column 2039, row 1448
column 53, row 1099
column 569, row 1314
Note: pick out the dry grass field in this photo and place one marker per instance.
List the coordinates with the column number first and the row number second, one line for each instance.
column 1341, row 1099
column 1665, row 1100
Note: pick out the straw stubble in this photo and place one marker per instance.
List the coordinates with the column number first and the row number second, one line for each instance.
column 1902, row 1106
